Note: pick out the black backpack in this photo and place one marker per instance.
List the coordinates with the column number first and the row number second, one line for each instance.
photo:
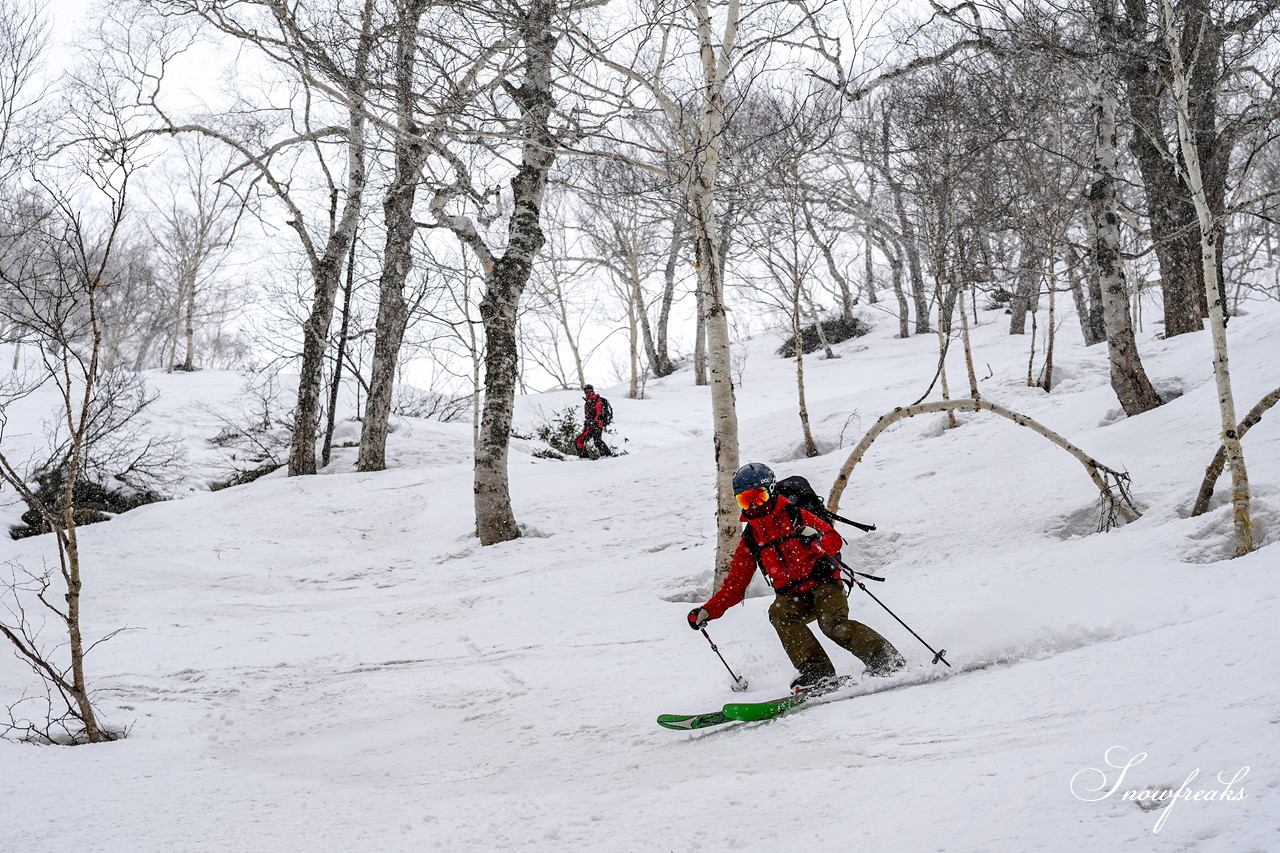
column 798, row 491
column 606, row 412
column 801, row 496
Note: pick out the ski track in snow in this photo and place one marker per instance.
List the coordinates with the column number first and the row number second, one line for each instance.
column 333, row 663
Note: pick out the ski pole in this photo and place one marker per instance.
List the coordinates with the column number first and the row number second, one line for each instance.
column 937, row 655
column 740, row 684
column 866, row 528
column 861, row 575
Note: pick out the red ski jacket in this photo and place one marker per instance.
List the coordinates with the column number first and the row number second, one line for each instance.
column 593, row 411
column 785, row 558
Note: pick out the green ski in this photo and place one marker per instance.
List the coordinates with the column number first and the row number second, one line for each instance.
column 752, row 711
column 683, row 722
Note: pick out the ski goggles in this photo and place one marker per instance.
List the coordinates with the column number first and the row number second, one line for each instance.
column 753, row 497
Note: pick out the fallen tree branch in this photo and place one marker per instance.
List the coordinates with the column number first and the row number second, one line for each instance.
column 1112, row 484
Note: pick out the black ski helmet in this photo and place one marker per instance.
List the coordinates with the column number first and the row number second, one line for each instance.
column 754, row 475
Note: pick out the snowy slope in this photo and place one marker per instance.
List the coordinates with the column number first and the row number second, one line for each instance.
column 333, row 663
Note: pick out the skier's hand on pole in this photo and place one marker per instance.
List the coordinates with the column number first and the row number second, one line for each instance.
column 698, row 618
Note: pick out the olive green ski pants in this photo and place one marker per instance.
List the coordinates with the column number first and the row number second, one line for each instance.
column 790, row 614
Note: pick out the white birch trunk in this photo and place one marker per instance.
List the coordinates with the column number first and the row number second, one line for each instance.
column 1128, row 377
column 1234, row 450
column 810, row 448
column 702, row 203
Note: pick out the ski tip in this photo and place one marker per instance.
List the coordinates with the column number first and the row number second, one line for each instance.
column 670, row 721
column 684, row 723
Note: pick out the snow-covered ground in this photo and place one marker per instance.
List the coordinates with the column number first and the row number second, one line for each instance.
column 334, row 664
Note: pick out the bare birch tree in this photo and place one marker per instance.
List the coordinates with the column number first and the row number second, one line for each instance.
column 680, row 73
column 1232, row 448
column 56, row 279
column 327, row 53
column 193, row 231
column 536, row 26
column 1128, row 377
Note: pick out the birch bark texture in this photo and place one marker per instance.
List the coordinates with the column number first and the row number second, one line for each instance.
column 63, row 271
column 397, row 256
column 507, row 275
column 1231, row 446
column 716, row 64
column 1128, row 377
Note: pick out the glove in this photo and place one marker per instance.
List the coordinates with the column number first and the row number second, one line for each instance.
column 808, row 535
column 698, row 618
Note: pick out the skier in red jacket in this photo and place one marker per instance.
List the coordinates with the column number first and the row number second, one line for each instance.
column 794, row 548
column 593, row 424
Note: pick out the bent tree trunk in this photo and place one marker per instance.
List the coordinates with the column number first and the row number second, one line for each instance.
column 1110, row 483
column 1214, row 470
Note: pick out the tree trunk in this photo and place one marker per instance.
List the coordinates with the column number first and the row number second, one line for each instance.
column 1110, row 482
column 810, row 449
column 327, row 276
column 715, row 63
column 904, row 307
column 868, row 271
column 335, row 384
column 1170, row 211
column 1046, row 378
column 189, row 363
column 326, row 273
column 663, row 365
column 495, row 519
column 1128, row 378
column 968, row 350
column 1233, row 449
column 1088, row 303
column 638, row 315
column 827, row 351
column 179, row 299
column 847, row 301
column 911, row 249
column 723, row 410
column 80, row 689
column 943, row 332
column 397, row 256
column 1214, row 470
column 1027, row 287
column 635, row 318
column 700, row 330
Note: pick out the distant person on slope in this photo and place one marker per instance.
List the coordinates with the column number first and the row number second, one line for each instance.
column 793, row 548
column 596, row 416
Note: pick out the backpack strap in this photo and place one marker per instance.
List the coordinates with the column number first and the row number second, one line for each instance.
column 823, row 566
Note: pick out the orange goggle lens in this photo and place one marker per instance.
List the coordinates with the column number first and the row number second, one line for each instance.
column 753, row 497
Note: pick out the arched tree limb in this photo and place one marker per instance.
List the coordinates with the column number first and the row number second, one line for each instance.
column 1111, row 483
column 1212, row 473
